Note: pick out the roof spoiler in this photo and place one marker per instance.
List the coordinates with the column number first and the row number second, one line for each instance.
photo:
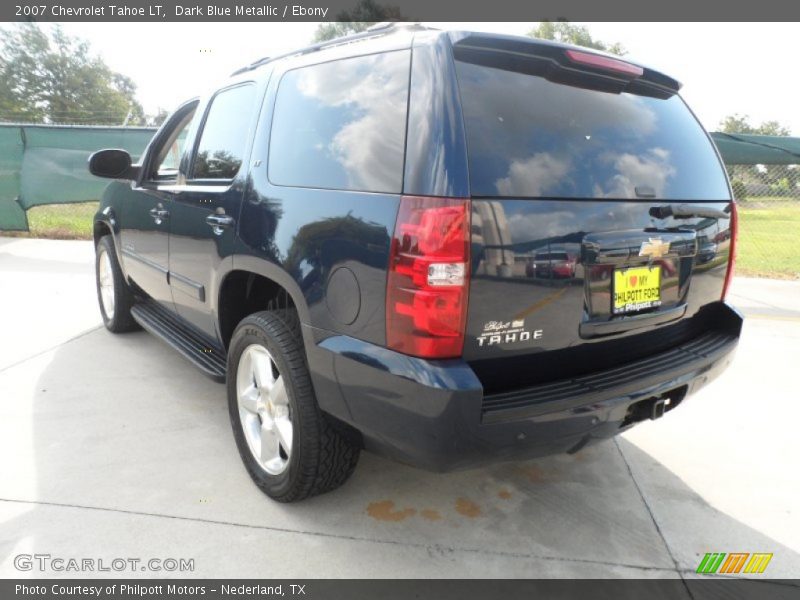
column 562, row 63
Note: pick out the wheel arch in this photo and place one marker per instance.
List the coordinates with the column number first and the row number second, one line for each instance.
column 251, row 285
column 105, row 223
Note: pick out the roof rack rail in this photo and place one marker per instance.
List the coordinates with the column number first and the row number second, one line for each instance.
column 381, row 25
column 377, row 30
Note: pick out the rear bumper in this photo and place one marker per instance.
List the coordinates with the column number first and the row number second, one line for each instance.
column 433, row 414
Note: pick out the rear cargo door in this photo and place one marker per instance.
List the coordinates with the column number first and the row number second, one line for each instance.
column 600, row 213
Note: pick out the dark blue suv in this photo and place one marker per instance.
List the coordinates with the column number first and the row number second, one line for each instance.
column 445, row 247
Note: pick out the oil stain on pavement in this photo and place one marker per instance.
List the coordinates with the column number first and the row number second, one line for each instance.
column 467, row 508
column 385, row 511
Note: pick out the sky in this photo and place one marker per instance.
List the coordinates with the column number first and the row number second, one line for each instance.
column 725, row 68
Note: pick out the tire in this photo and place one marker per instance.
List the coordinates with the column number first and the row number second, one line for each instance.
column 113, row 294
column 268, row 382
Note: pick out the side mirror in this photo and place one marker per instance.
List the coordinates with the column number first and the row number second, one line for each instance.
column 113, row 164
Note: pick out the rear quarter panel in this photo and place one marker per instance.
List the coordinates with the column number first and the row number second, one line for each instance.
column 331, row 245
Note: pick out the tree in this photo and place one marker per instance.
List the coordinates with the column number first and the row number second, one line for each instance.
column 365, row 14
column 157, row 119
column 55, row 79
column 737, row 123
column 562, row 31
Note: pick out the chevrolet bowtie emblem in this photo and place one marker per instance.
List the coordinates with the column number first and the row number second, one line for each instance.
column 654, row 248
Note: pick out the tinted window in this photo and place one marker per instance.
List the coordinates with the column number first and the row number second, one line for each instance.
column 224, row 136
column 168, row 159
column 530, row 137
column 341, row 125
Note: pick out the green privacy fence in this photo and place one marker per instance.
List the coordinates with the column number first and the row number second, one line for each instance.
column 747, row 149
column 46, row 164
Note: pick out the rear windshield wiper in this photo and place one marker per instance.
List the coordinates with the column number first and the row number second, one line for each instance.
column 687, row 211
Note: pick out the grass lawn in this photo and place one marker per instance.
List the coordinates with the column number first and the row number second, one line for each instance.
column 769, row 240
column 62, row 221
column 758, row 200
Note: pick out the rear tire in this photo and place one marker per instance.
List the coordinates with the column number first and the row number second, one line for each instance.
column 113, row 294
column 287, row 444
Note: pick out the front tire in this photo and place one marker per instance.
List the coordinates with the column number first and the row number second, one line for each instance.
column 113, row 294
column 288, row 446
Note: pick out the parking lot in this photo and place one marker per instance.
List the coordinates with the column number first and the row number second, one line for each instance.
column 115, row 446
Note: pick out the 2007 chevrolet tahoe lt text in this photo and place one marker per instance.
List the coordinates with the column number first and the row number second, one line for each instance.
column 444, row 247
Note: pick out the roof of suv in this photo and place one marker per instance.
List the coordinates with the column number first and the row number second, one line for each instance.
column 402, row 35
column 376, row 31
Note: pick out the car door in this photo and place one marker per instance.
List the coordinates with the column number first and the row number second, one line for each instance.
column 144, row 226
column 205, row 209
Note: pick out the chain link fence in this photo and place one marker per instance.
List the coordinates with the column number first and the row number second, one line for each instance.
column 765, row 183
column 769, row 218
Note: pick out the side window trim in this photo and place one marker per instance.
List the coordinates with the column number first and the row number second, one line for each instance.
column 199, row 136
column 182, row 126
column 162, row 137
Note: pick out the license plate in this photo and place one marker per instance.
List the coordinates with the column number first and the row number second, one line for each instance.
column 636, row 289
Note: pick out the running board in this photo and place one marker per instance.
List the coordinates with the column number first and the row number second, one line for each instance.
column 157, row 320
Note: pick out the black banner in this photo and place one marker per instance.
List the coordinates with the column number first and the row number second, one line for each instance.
column 713, row 588
column 408, row 10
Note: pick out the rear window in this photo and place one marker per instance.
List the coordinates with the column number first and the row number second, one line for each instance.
column 530, row 137
column 342, row 124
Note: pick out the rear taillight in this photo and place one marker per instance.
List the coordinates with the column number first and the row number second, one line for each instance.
column 428, row 282
column 734, row 229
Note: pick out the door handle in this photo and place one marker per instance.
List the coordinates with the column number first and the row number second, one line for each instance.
column 159, row 214
column 219, row 222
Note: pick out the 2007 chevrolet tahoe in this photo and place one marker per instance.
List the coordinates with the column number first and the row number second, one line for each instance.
column 445, row 247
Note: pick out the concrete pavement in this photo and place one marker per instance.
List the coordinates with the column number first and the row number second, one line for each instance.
column 115, row 446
